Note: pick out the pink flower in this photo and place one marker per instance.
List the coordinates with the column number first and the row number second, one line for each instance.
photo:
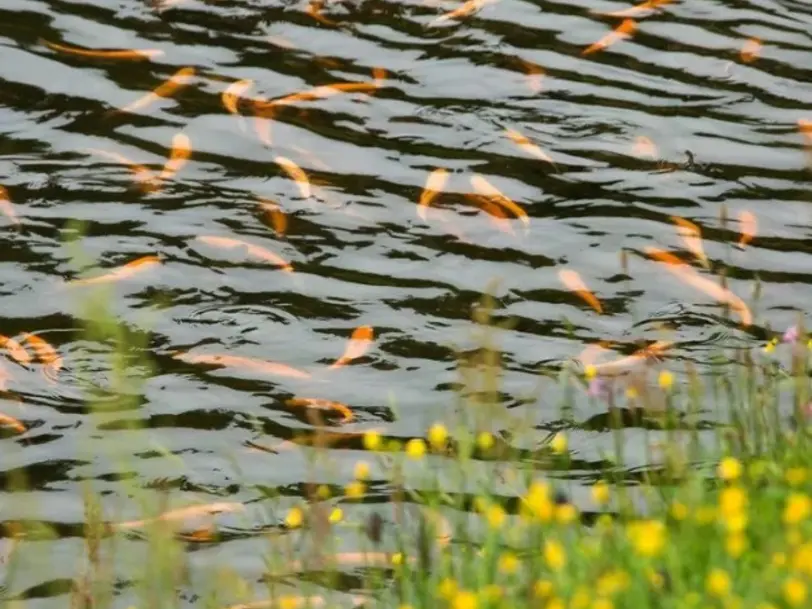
column 791, row 335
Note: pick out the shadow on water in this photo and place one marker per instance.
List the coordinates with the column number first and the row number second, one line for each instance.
column 672, row 122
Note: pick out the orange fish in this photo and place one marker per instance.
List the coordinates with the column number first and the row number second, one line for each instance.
column 319, row 404
column 45, row 353
column 621, row 32
column 639, row 10
column 249, row 363
column 178, row 80
column 497, row 215
column 692, row 237
column 590, row 354
column 749, row 225
column 133, row 55
column 573, row 281
column 263, row 128
column 278, row 219
column 123, row 272
column 11, row 422
column 692, row 278
column 147, row 180
column 15, row 350
column 255, row 250
column 805, row 127
column 534, row 74
column 4, row 377
column 470, row 7
column 298, row 175
column 434, row 186
column 314, row 9
column 232, row 95
column 623, row 365
column 194, row 511
column 359, row 343
column 751, row 50
column 7, row 207
column 325, row 91
column 644, row 147
column 180, row 153
column 525, row 144
column 486, row 189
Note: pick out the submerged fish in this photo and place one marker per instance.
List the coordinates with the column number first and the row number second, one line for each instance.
column 7, row 207
column 573, row 281
column 359, row 343
column 249, row 363
column 178, row 80
column 262, row 253
column 621, row 32
column 326, row 405
column 434, row 186
column 194, row 511
column 45, row 353
column 123, row 54
column 123, row 272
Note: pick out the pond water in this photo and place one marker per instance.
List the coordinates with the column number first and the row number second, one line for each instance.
column 687, row 117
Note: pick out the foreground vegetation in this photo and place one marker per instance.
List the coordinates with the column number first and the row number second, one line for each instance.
column 726, row 523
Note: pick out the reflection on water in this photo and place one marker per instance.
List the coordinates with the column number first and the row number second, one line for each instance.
column 272, row 217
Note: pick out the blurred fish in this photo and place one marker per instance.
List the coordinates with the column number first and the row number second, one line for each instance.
column 434, row 186
column 180, row 152
column 805, row 128
column 626, row 364
column 12, row 423
column 255, row 365
column 534, row 74
column 359, row 343
column 643, row 146
column 195, row 511
column 749, row 226
column 298, row 175
column 324, row 91
column 573, row 281
column 262, row 126
column 45, row 353
column 178, row 80
column 639, row 10
column 15, row 350
column 621, row 32
column 486, row 189
column 232, row 95
column 5, row 377
column 277, row 217
column 255, row 250
column 129, row 54
column 525, row 144
column 688, row 275
column 123, row 272
column 7, row 207
column 469, row 8
column 751, row 50
column 692, row 237
column 314, row 9
column 148, row 182
column 326, row 405
column 590, row 354
column 497, row 215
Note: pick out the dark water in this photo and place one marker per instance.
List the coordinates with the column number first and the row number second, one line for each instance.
column 725, row 131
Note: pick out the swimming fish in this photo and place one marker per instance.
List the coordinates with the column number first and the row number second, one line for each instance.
column 692, row 237
column 194, row 511
column 123, row 272
column 7, row 207
column 326, row 405
column 621, row 32
column 434, row 186
column 688, row 275
column 15, row 350
column 12, row 423
column 274, row 213
column 625, row 364
column 233, row 94
column 749, row 226
column 148, row 182
column 469, row 8
column 751, row 50
column 525, row 144
column 573, row 281
column 297, row 174
column 639, row 10
column 255, row 365
column 178, row 80
column 534, row 74
column 45, row 353
column 644, row 147
column 497, row 215
column 180, row 152
column 485, row 188
column 325, row 91
column 124, row 54
column 255, row 250
column 314, row 9
column 359, row 343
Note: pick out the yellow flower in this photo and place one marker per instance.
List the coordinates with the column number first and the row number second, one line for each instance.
column 600, row 492
column 730, row 469
column 802, row 558
column 555, row 603
column 416, row 448
column 666, row 379
column 405, row 607
column 735, row 544
column 632, row 393
column 718, row 583
column 770, row 346
column 679, row 511
column 393, row 446
column 438, row 435
column 447, row 588
column 705, row 514
column 397, row 558
column 603, row 603
column 354, row 490
column 732, row 501
column 508, row 563
column 794, row 592
column 566, row 513
column 580, row 599
column 492, row 592
column 604, row 522
column 795, row 476
column 485, row 440
column 372, row 440
column 647, row 537
column 543, row 588
column 559, row 443
column 797, row 508
column 554, row 555
column 612, row 582
column 538, row 502
column 464, row 600
column 290, row 602
column 336, row 515
column 295, row 518
column 495, row 516
column 736, row 523
column 361, row 470
column 590, row 372
column 323, row 492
